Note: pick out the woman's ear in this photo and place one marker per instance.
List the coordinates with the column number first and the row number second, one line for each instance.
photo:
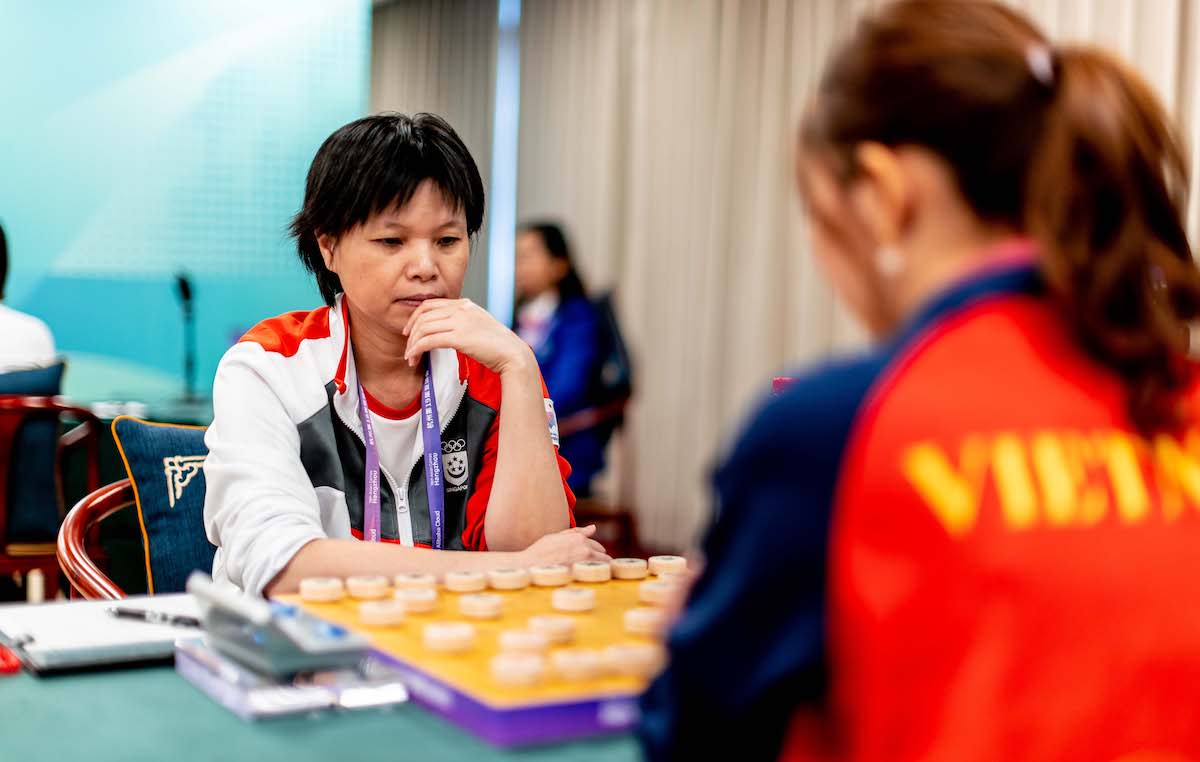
column 327, row 244
column 882, row 193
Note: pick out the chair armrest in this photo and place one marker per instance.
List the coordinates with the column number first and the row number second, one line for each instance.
column 86, row 435
column 82, row 572
column 87, row 432
column 76, row 436
column 590, row 417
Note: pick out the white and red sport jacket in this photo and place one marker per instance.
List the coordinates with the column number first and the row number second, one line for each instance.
column 286, row 456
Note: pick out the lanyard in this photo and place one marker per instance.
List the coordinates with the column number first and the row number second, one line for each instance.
column 431, row 440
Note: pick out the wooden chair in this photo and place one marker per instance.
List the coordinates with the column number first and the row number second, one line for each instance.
column 83, row 573
column 170, row 510
column 25, row 554
column 616, row 527
column 592, row 417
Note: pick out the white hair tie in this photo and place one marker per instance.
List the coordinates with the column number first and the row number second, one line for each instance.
column 1041, row 63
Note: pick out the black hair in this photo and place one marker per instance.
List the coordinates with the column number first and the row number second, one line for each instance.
column 3, row 261
column 570, row 285
column 372, row 164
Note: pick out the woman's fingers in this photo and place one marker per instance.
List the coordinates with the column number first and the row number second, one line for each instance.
column 423, row 330
column 425, row 318
column 436, row 325
column 426, row 307
column 444, row 340
column 420, row 310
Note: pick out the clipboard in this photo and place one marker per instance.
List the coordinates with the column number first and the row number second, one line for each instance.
column 74, row 635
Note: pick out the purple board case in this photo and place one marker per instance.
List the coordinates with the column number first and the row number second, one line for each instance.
column 523, row 725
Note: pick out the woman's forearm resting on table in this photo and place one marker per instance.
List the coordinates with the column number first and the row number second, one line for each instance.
column 347, row 558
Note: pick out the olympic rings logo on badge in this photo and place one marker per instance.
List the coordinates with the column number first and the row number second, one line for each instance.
column 454, row 445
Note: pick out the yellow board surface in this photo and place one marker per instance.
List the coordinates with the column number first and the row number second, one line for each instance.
column 470, row 672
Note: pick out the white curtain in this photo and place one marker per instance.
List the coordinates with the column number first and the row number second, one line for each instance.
column 662, row 133
column 439, row 56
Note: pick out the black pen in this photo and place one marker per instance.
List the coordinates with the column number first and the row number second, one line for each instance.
column 153, row 617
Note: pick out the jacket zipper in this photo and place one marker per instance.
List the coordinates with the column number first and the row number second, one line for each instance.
column 384, row 471
column 396, row 489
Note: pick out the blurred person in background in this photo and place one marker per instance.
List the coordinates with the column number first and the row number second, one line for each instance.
column 978, row 540
column 566, row 331
column 25, row 341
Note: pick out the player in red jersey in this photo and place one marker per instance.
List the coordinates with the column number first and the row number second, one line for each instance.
column 979, row 541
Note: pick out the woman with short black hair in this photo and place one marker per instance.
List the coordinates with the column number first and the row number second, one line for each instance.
column 377, row 417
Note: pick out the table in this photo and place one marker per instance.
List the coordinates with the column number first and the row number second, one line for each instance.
column 153, row 714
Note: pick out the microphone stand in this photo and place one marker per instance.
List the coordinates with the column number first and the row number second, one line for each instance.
column 184, row 286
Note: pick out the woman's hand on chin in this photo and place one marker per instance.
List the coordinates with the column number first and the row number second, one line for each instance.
column 465, row 326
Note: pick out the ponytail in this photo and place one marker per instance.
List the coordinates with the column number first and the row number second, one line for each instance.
column 1074, row 150
column 1106, row 199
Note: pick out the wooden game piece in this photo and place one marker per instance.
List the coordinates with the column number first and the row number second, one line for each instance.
column 449, row 637
column 642, row 660
column 387, row 613
column 367, row 588
column 657, row 592
column 508, row 579
column 322, row 589
column 559, row 630
column 576, row 664
column 646, row 621
column 523, row 640
column 481, row 605
column 415, row 580
column 591, row 571
column 677, row 577
column 629, row 568
column 466, row 581
column 660, row 564
column 573, row 599
column 518, row 668
column 417, row 600
column 555, row 575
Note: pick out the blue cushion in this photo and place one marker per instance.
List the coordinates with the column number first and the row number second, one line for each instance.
column 165, row 462
column 33, row 507
column 38, row 382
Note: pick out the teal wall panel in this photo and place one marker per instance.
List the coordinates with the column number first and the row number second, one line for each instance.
column 139, row 138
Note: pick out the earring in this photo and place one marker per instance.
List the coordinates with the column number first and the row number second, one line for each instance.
column 888, row 261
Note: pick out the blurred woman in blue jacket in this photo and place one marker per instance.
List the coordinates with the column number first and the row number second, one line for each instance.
column 565, row 330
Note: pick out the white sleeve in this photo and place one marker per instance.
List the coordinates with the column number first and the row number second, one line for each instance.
column 260, row 507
